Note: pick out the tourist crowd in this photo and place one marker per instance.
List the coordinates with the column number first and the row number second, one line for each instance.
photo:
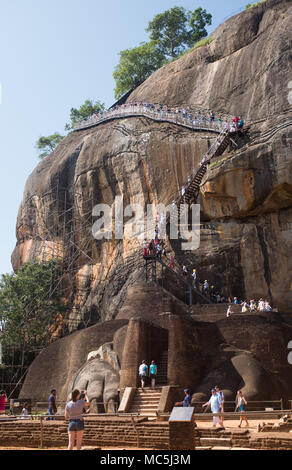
column 178, row 114
column 261, row 306
column 216, row 403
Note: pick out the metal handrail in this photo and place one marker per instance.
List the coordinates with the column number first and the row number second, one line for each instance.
column 143, row 111
column 189, row 286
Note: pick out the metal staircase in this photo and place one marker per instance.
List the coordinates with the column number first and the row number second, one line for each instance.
column 156, row 271
column 192, row 190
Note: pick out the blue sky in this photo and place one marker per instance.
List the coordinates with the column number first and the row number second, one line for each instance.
column 54, row 54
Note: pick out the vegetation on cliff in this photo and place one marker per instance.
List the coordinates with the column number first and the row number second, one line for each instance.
column 251, row 5
column 171, row 34
column 30, row 303
column 46, row 144
column 87, row 109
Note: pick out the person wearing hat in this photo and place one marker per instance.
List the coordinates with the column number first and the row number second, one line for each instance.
column 215, row 406
column 187, row 399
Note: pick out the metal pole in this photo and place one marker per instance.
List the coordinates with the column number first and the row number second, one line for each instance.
column 190, row 296
column 153, row 270
column 41, row 433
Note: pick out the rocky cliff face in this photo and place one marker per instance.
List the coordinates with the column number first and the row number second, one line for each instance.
column 246, row 196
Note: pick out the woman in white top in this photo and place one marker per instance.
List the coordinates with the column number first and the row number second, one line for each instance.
column 74, row 412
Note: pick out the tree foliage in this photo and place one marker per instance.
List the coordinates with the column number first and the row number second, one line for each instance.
column 87, row 109
column 30, row 302
column 171, row 33
column 177, row 29
column 198, row 20
column 135, row 66
column 47, row 144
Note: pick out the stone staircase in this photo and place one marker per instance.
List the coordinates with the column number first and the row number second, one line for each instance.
column 214, row 312
column 146, row 402
column 220, row 438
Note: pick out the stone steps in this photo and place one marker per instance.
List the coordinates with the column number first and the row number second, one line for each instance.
column 146, row 403
column 215, row 441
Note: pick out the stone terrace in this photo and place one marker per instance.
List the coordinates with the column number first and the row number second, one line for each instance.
column 107, row 431
column 116, row 432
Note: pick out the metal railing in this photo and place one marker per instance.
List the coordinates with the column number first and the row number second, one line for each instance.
column 190, row 120
column 108, row 407
column 42, row 407
column 165, row 268
column 253, row 405
column 40, row 419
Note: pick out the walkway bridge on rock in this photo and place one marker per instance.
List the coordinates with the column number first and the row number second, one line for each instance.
column 155, row 270
column 194, row 120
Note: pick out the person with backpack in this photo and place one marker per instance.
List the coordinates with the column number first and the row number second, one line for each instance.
column 240, row 406
column 215, row 406
column 143, row 372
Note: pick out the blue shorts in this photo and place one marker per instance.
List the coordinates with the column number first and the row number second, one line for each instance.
column 76, row 425
column 241, row 408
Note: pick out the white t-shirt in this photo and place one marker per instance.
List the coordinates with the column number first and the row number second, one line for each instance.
column 75, row 409
column 24, row 413
column 261, row 305
column 143, row 369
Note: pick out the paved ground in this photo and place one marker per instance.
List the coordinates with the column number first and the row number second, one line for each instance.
column 232, row 425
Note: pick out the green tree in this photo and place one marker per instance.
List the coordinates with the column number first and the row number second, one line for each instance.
column 177, row 29
column 135, row 66
column 87, row 109
column 169, row 31
column 30, row 303
column 198, row 20
column 47, row 144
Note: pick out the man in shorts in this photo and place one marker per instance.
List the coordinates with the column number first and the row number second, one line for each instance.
column 153, row 374
column 143, row 372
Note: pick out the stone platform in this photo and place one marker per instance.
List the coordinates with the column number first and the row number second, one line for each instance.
column 117, row 432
